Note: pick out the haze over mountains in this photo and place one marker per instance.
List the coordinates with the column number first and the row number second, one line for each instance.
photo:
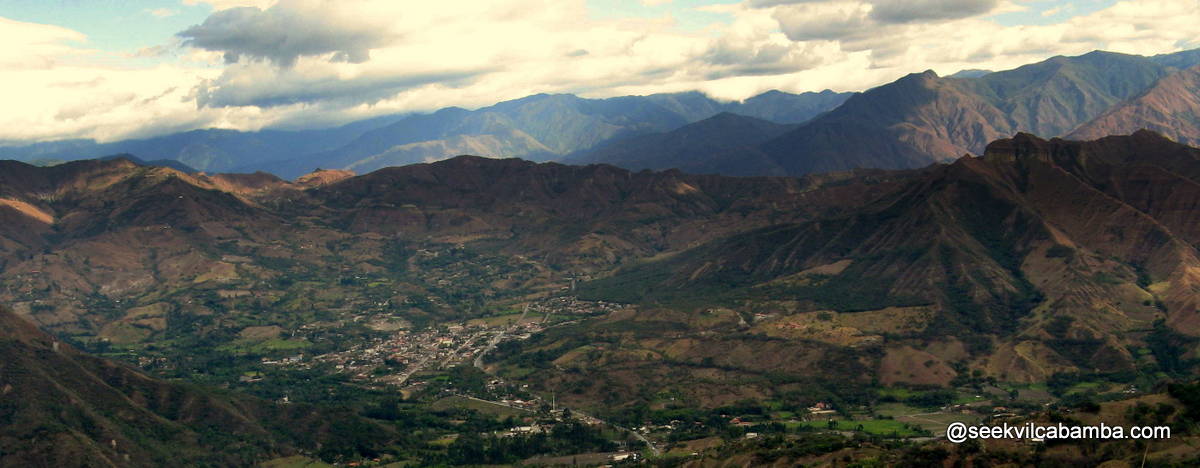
column 789, row 248
column 923, row 118
column 516, row 233
column 63, row 407
column 918, row 119
column 1088, row 235
column 213, row 150
column 540, row 127
column 1170, row 107
column 1076, row 218
column 1038, row 258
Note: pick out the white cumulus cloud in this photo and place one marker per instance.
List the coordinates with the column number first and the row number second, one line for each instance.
column 296, row 63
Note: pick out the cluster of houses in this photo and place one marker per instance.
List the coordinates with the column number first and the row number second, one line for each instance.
column 569, row 305
column 402, row 348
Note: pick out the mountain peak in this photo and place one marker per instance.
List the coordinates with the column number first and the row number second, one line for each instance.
column 1171, row 108
column 1147, row 134
column 772, row 92
column 926, row 76
column 1104, row 53
column 726, row 115
column 1146, row 146
column 450, row 110
column 970, row 73
column 540, row 97
column 171, row 163
column 322, row 177
column 1020, row 146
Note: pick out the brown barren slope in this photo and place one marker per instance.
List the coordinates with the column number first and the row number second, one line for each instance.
column 1171, row 107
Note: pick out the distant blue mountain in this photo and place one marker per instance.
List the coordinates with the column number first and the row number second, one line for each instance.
column 971, row 73
column 538, row 127
column 542, row 127
column 721, row 144
column 914, row 121
column 171, row 163
column 210, row 150
column 918, row 119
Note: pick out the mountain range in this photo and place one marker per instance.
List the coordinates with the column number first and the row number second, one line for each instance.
column 918, row 238
column 707, row 146
column 63, row 407
column 1170, row 107
column 1074, row 219
column 1038, row 259
column 923, row 118
column 914, row 121
column 212, row 150
column 539, row 127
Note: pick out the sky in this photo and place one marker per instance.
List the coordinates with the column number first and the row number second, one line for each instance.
column 116, row 69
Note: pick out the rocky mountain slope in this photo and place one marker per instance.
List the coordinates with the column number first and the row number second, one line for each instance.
column 919, row 119
column 83, row 235
column 704, row 147
column 1037, row 258
column 61, row 407
column 1171, row 107
column 923, row 118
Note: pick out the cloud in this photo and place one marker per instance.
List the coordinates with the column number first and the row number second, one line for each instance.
column 751, row 47
column 287, row 31
column 835, row 20
column 226, row 4
column 510, row 48
column 824, row 20
column 38, row 46
column 467, row 53
column 264, row 87
column 907, row 11
column 771, row 3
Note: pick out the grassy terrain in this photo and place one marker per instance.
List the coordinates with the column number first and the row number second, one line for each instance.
column 296, row 461
column 490, row 409
column 937, row 422
column 503, row 320
column 584, row 459
column 879, row 427
column 893, row 410
column 260, row 347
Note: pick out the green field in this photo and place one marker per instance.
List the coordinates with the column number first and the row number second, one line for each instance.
column 937, row 422
column 295, row 461
column 502, row 320
column 899, row 393
column 894, row 410
column 496, row 410
column 259, row 347
column 880, row 427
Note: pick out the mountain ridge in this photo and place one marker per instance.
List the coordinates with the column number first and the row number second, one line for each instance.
column 1170, row 107
column 78, row 410
column 544, row 127
column 922, row 118
column 530, row 127
column 997, row 247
